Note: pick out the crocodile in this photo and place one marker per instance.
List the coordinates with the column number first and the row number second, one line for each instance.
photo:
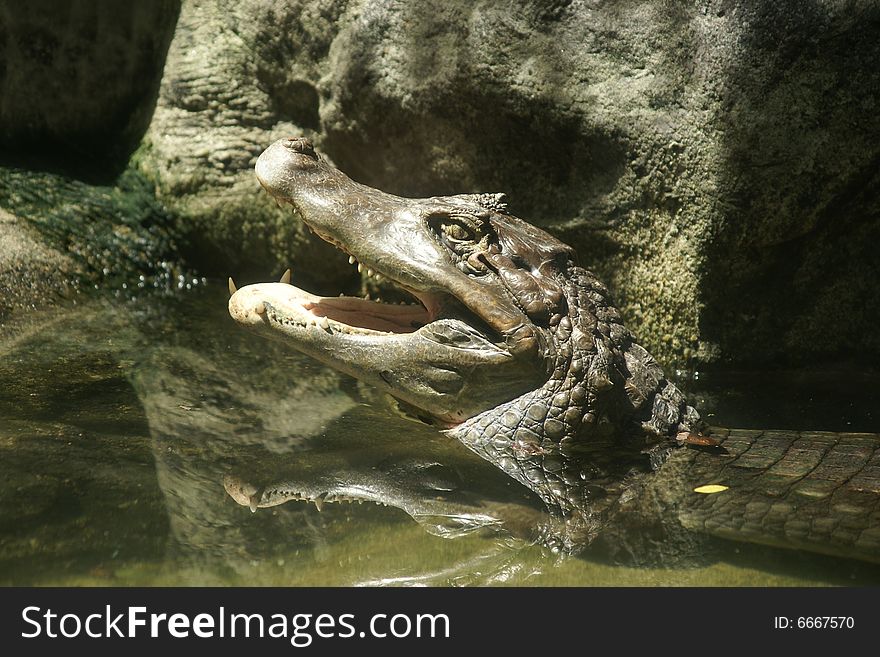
column 519, row 353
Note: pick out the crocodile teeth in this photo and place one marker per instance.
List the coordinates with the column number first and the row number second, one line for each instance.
column 369, row 273
column 360, row 267
column 319, row 503
column 285, row 277
column 260, row 308
column 232, row 288
column 253, row 501
column 324, row 323
column 351, row 260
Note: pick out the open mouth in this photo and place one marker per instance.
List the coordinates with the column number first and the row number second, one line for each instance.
column 294, row 306
column 348, row 314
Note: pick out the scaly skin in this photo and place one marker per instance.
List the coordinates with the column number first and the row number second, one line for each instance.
column 815, row 491
column 518, row 352
column 551, row 440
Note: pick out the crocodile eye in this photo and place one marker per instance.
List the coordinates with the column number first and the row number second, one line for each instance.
column 460, row 233
column 456, row 232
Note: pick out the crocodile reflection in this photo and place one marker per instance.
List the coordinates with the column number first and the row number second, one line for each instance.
column 440, row 497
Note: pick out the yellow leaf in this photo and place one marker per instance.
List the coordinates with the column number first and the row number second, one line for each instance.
column 710, row 488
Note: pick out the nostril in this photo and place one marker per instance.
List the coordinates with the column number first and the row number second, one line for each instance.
column 300, row 145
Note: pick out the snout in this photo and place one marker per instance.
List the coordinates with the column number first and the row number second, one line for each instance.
column 283, row 162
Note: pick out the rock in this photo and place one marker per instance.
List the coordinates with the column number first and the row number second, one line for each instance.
column 716, row 163
column 213, row 119
column 78, row 81
column 31, row 273
column 61, row 235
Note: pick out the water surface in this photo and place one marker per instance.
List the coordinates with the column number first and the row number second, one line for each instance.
column 120, row 420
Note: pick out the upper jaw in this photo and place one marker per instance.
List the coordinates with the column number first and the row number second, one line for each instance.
column 380, row 230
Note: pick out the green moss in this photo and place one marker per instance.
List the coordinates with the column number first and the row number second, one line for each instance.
column 117, row 233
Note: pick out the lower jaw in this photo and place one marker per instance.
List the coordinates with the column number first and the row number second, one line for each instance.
column 293, row 306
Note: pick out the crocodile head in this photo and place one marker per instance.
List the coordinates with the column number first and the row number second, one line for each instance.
column 511, row 347
column 468, row 342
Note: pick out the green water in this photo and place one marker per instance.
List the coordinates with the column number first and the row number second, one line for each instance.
column 120, row 419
